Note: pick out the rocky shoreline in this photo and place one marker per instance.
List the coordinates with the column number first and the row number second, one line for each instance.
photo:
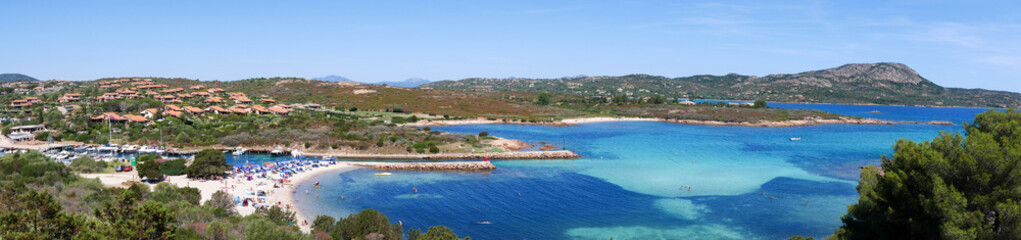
column 429, row 166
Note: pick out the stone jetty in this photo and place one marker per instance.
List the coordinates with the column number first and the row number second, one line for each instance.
column 523, row 155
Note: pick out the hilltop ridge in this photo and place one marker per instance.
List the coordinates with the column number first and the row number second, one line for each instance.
column 860, row 83
column 14, row 77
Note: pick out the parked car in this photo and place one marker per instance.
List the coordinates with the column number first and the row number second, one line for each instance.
column 127, row 168
column 118, row 168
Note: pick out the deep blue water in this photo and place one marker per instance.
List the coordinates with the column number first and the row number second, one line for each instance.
column 746, row 182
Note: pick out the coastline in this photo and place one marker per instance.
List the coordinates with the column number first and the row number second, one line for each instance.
column 576, row 121
column 283, row 195
column 292, row 188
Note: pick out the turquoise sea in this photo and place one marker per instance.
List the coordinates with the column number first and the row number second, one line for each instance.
column 745, row 182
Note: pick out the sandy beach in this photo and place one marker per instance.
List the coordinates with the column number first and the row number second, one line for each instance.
column 282, row 196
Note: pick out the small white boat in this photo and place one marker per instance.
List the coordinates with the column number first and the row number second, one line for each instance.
column 384, row 174
column 130, row 148
column 296, row 153
column 240, row 151
column 796, row 139
column 146, row 150
column 108, row 148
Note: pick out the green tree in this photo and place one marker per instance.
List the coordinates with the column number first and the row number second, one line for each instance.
column 126, row 220
column 37, row 215
column 221, row 200
column 760, row 104
column 261, row 228
column 208, row 163
column 150, row 170
column 434, row 149
column 173, row 167
column 953, row 187
column 323, row 223
column 657, row 99
column 439, row 233
column 361, row 224
column 543, row 99
column 85, row 164
column 620, row 99
column 483, row 134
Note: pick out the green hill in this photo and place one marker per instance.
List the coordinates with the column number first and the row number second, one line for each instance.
column 879, row 83
column 14, row 77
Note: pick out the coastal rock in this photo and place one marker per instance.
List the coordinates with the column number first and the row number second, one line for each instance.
column 547, row 147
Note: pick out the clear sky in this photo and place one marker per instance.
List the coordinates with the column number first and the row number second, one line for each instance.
column 972, row 44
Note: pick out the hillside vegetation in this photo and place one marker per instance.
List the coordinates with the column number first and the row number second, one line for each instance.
column 879, row 83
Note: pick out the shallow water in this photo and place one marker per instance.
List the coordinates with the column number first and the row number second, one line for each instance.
column 746, row 182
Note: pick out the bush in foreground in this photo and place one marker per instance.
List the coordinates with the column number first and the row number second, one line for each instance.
column 953, row 187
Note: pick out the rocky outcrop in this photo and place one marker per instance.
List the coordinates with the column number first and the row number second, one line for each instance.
column 431, row 166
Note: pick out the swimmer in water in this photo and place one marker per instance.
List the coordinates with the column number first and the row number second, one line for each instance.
column 414, row 189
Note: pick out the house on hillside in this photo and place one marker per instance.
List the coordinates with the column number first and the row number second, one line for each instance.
column 194, row 110
column 259, row 109
column 173, row 108
column 213, row 100
column 215, row 90
column 70, row 97
column 267, row 100
column 172, row 113
column 150, row 113
column 136, row 119
column 29, row 129
column 196, row 87
column 279, row 111
column 108, row 116
column 238, row 110
column 217, row 110
column 241, row 99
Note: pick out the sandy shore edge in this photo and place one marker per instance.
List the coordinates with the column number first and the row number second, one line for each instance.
column 576, row 121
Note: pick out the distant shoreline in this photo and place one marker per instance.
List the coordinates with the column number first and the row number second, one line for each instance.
column 576, row 121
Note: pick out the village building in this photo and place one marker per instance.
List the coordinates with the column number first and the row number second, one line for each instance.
column 279, row 111
column 70, row 97
column 149, row 112
column 238, row 110
column 194, row 110
column 173, row 108
column 212, row 100
column 217, row 110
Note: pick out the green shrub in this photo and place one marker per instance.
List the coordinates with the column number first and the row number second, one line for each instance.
column 434, row 149
column 173, row 167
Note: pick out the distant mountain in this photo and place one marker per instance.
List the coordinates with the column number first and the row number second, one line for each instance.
column 333, row 78
column 14, row 77
column 409, row 83
column 875, row 83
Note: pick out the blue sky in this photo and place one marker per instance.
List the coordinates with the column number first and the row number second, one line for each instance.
column 972, row 44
